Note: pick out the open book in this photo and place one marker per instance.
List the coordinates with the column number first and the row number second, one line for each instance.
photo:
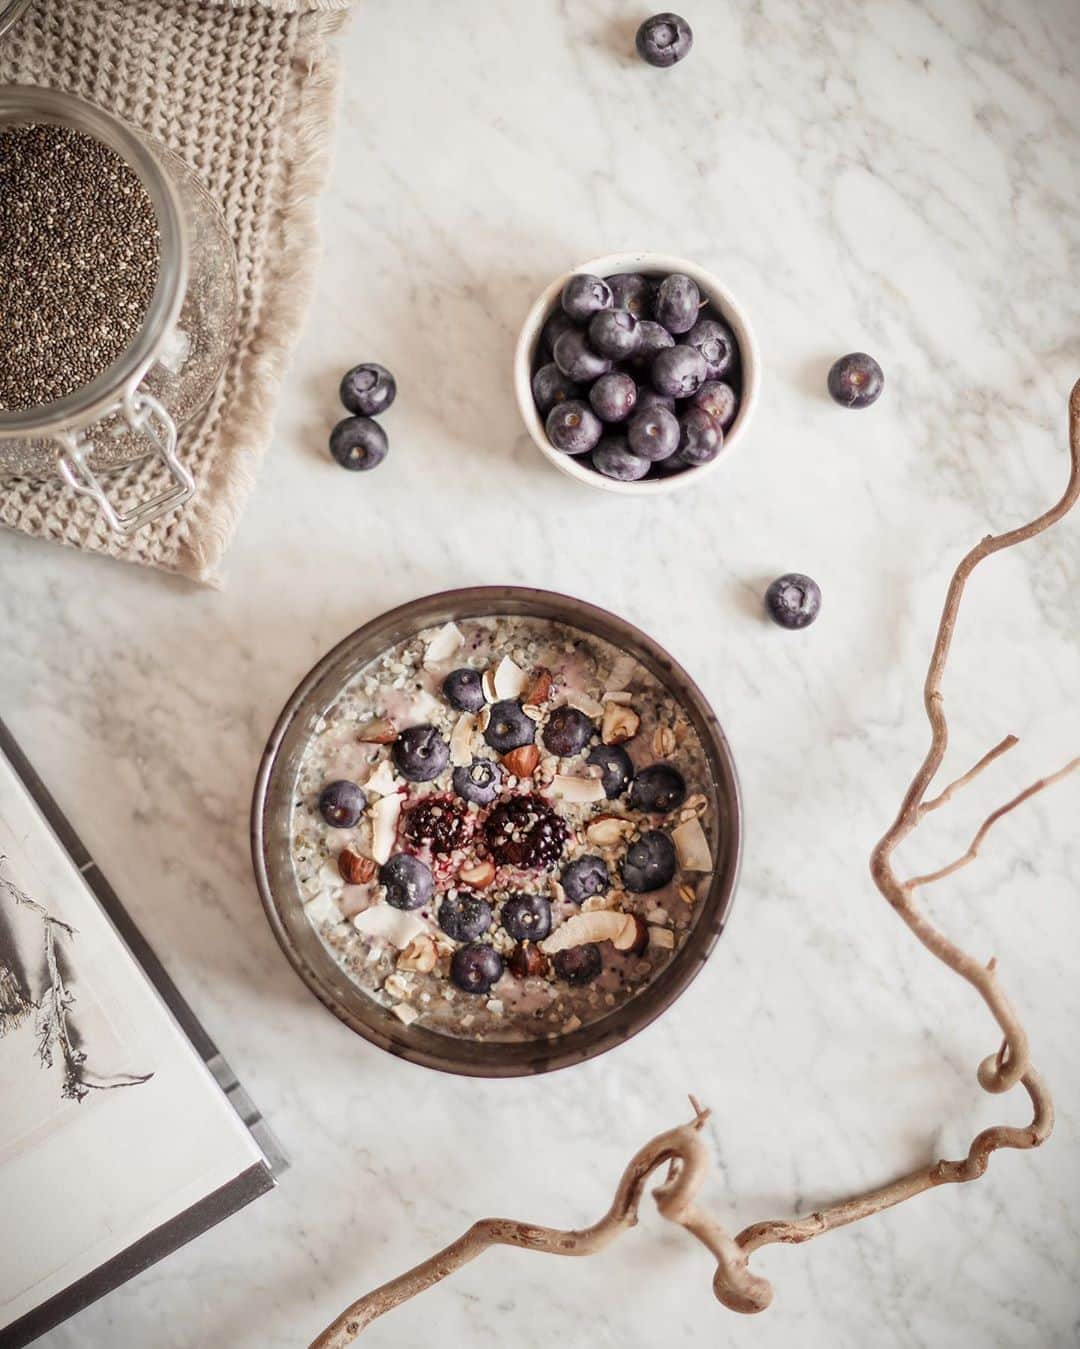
column 123, row 1133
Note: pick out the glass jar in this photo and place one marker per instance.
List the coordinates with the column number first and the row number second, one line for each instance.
column 134, row 408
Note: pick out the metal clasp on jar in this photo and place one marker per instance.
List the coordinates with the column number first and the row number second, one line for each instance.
column 145, row 416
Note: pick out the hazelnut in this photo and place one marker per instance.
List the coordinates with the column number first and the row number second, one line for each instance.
column 527, row 958
column 640, row 940
column 607, row 831
column 477, row 875
column 521, row 762
column 355, row 868
column 620, row 723
column 419, row 955
column 381, row 731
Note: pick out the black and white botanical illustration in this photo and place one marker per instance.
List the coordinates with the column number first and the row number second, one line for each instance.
column 36, row 955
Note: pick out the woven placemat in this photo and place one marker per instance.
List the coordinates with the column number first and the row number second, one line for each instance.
column 244, row 91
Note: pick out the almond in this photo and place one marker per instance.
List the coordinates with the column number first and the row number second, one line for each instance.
column 478, row 875
column 521, row 762
column 540, row 689
column 381, row 731
column 527, row 958
column 355, row 868
column 419, row 955
column 607, row 831
column 620, row 723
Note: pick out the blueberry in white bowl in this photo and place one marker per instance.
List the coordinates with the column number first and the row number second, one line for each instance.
column 633, row 333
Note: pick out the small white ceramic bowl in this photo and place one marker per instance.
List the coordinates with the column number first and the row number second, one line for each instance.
column 651, row 264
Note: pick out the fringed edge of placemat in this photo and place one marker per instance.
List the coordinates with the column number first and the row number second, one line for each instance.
column 309, row 137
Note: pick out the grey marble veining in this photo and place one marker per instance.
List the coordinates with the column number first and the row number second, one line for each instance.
column 898, row 177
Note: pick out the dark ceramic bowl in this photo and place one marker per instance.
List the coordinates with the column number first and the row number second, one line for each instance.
column 302, row 945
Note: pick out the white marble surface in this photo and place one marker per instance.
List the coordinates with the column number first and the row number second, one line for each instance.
column 894, row 176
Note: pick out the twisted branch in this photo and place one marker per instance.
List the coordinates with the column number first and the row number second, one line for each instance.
column 734, row 1284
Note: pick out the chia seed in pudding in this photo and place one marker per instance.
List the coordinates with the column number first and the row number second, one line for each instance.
column 79, row 259
column 556, row 895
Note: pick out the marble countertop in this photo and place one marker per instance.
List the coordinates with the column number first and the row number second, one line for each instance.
column 897, row 177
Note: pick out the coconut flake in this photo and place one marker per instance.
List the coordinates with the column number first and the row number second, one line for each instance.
column 663, row 937
column 383, row 922
column 597, row 925
column 404, row 1013
column 323, row 908
column 622, row 672
column 384, row 818
column 509, row 679
column 579, row 791
column 692, row 846
column 382, row 781
column 461, row 740
column 443, row 645
column 584, row 703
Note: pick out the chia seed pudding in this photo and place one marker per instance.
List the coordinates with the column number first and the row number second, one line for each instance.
column 501, row 829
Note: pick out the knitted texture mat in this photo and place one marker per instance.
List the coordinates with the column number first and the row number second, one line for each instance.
column 245, row 93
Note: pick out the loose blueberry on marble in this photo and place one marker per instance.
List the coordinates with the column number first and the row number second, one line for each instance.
column 633, row 292
column 658, row 789
column 650, row 398
column 793, row 600
column 368, row 389
column 464, row 689
column 568, row 731
column 678, row 371
column 652, row 337
column 342, row 803
column 464, row 916
column 578, row 964
column 649, row 863
column 573, row 427
column 358, row 443
column 550, row 386
column 716, row 344
column 614, row 334
column 420, row 753
column 614, row 458
column 677, row 303
column 479, row 782
column 613, row 396
column 584, row 295
column 585, row 877
column 700, row 439
column 509, row 727
column 616, row 769
column 408, row 881
column 557, row 323
column 476, row 968
column 718, row 399
column 577, row 360
column 653, row 434
column 526, row 917
column 856, row 380
column 664, row 40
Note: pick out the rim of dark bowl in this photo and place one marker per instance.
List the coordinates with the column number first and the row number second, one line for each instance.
column 314, row 963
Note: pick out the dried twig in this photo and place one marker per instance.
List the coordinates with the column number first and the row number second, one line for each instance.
column 682, row 1149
